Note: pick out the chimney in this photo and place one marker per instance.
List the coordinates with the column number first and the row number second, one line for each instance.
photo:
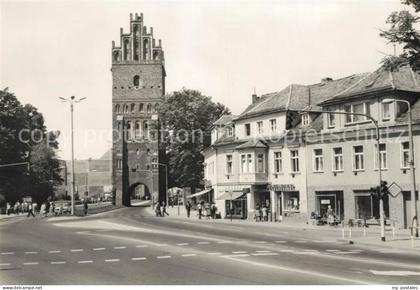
column 255, row 98
column 326, row 80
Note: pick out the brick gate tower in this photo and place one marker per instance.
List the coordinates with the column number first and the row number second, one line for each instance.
column 138, row 87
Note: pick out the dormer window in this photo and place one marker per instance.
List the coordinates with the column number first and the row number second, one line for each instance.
column 386, row 112
column 248, row 129
column 331, row 121
column 305, row 119
column 360, row 108
column 229, row 131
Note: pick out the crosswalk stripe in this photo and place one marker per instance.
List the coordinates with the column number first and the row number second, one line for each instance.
column 57, row 262
column 112, row 260
column 139, row 259
column 163, row 257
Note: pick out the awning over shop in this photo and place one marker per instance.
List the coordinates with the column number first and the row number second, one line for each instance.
column 230, row 195
column 199, row 193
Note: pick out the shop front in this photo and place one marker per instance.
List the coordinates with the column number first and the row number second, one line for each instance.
column 324, row 199
column 235, row 202
column 286, row 200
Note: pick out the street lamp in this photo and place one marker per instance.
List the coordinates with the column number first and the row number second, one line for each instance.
column 375, row 122
column 72, row 100
column 414, row 220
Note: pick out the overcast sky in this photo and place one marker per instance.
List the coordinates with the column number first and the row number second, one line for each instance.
column 222, row 48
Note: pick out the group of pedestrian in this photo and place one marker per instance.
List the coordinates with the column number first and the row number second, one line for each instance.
column 21, row 208
column 206, row 210
column 160, row 209
column 261, row 213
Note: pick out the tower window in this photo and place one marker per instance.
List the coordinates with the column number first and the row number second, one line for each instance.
column 156, row 107
column 149, row 108
column 136, row 81
column 117, row 108
column 133, row 107
column 126, row 48
column 141, row 107
column 125, row 108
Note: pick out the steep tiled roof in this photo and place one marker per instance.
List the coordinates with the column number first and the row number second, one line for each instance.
column 297, row 97
column 403, row 79
column 224, row 120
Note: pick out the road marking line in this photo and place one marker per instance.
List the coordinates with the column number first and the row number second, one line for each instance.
column 8, row 253
column 395, row 273
column 139, row 259
column 120, row 247
column 311, row 251
column 58, row 262
column 203, row 243
column 163, row 257
column 183, row 244
column 112, row 260
column 31, row 253
column 99, row 249
column 239, row 252
column 53, row 252
column 76, row 250
column 301, row 242
column 297, row 270
column 266, row 254
column 286, row 251
column 344, row 253
column 141, row 246
column 30, row 263
column 261, row 242
column 161, row 245
column 263, row 251
column 189, row 255
column 240, row 255
column 332, row 250
column 214, row 253
column 5, row 264
column 85, row 262
column 224, row 242
column 281, row 242
column 304, row 253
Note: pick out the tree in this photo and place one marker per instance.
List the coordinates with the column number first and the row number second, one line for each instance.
column 186, row 117
column 24, row 138
column 402, row 31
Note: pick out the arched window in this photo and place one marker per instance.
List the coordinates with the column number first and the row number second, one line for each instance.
column 141, row 107
column 156, row 107
column 133, row 107
column 116, row 55
column 125, row 108
column 117, row 108
column 149, row 108
column 137, row 131
column 136, row 81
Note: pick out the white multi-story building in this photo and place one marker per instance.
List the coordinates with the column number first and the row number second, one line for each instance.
column 296, row 163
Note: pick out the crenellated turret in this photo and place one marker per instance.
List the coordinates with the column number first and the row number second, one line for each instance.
column 137, row 46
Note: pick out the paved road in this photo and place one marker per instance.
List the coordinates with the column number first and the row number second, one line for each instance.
column 128, row 246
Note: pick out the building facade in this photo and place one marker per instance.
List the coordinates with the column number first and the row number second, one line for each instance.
column 297, row 163
column 138, row 87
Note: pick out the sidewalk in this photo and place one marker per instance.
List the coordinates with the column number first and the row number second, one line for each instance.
column 4, row 217
column 399, row 239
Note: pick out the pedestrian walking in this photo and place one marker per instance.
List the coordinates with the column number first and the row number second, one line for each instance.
column 85, row 206
column 164, row 209
column 17, row 207
column 8, row 207
column 213, row 211
column 157, row 209
column 52, row 208
column 188, row 208
column 330, row 215
column 265, row 213
column 43, row 210
column 30, row 210
column 200, row 210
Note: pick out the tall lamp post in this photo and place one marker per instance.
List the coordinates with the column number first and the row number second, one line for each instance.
column 375, row 122
column 72, row 100
column 414, row 220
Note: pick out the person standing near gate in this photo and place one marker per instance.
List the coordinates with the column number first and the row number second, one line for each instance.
column 85, row 206
column 330, row 215
column 200, row 210
column 188, row 208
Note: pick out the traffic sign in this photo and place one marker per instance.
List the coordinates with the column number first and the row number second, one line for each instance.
column 394, row 189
